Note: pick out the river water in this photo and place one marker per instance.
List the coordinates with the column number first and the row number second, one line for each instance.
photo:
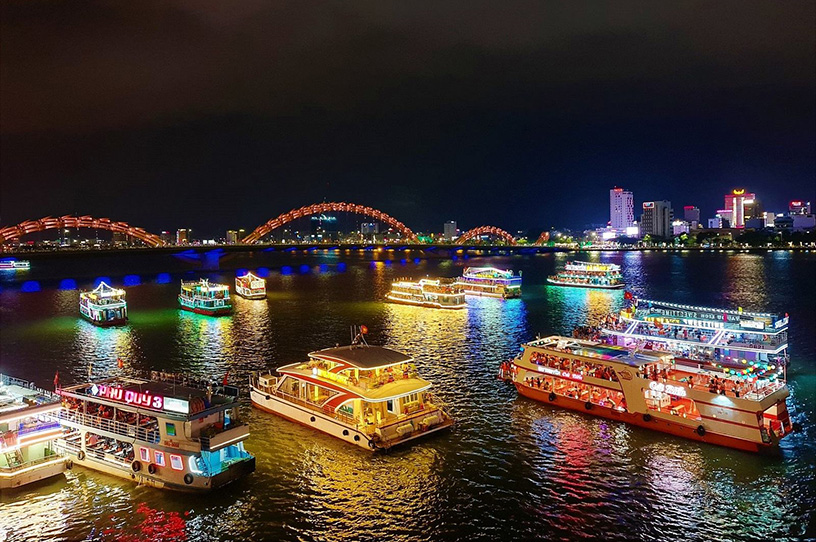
column 511, row 469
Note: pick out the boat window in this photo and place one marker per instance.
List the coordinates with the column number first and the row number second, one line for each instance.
column 176, row 463
column 159, row 458
column 171, row 429
column 144, row 453
column 389, row 405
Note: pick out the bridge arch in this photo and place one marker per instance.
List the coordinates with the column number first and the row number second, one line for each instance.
column 10, row 233
column 543, row 239
column 482, row 230
column 335, row 207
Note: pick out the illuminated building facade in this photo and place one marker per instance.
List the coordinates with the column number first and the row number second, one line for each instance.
column 621, row 209
column 182, row 236
column 691, row 214
column 799, row 207
column 736, row 202
column 232, row 237
column 656, row 219
column 449, row 230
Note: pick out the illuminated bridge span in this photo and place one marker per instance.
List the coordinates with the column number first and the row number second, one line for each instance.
column 543, row 238
column 485, row 230
column 49, row 223
column 319, row 208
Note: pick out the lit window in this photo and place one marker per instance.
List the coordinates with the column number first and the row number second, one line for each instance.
column 176, row 463
column 171, row 429
column 159, row 458
column 144, row 453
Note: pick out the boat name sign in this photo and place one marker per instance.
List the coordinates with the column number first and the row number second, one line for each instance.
column 667, row 388
column 129, row 397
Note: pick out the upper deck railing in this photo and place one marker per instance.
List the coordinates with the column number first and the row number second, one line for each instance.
column 111, row 426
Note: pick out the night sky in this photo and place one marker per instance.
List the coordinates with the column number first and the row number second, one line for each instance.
column 216, row 115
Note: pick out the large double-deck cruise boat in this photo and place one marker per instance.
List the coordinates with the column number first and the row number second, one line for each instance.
column 650, row 390
column 433, row 293
column 366, row 395
column 201, row 297
column 250, row 287
column 104, row 306
column 588, row 275
column 741, row 342
column 166, row 431
column 492, row 282
column 28, row 431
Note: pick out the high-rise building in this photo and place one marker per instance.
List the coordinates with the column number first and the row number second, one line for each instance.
column 621, row 209
column 725, row 216
column 799, row 207
column 449, row 230
column 736, row 202
column 183, row 236
column 232, row 237
column 657, row 218
column 691, row 214
column 166, row 237
column 369, row 228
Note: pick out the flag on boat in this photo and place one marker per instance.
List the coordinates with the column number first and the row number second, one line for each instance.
column 56, row 381
column 627, row 295
column 120, row 363
column 226, row 378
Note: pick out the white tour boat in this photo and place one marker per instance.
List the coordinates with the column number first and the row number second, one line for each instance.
column 491, row 282
column 28, row 431
column 432, row 293
column 166, row 431
column 366, row 395
column 250, row 287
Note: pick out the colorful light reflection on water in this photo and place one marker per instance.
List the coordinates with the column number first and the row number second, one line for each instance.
column 510, row 469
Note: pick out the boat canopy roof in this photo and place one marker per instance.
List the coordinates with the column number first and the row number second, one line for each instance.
column 249, row 276
column 487, row 272
column 589, row 349
column 362, row 356
column 103, row 291
column 687, row 314
column 203, row 285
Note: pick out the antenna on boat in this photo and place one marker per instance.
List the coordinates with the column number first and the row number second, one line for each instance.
column 359, row 338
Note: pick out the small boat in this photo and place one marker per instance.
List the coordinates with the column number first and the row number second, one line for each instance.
column 369, row 396
column 28, row 443
column 201, row 297
column 492, row 282
column 104, row 306
column 649, row 389
column 250, row 287
column 589, row 275
column 432, row 293
column 166, row 431
column 14, row 265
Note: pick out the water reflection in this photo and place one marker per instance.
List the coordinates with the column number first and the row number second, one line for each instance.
column 98, row 349
column 207, row 343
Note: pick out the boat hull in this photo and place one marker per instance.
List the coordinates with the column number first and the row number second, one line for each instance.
column 221, row 311
column 596, row 286
column 199, row 484
column 34, row 474
column 326, row 423
column 251, row 296
column 500, row 295
column 107, row 323
column 653, row 422
column 426, row 304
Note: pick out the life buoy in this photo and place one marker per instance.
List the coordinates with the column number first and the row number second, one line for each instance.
column 647, row 417
column 588, row 405
column 188, row 478
column 80, row 455
column 552, row 396
column 151, row 468
column 136, row 466
column 701, row 430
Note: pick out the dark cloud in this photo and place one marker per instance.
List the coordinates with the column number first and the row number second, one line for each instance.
column 519, row 114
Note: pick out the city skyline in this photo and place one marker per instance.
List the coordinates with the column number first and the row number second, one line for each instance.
column 425, row 129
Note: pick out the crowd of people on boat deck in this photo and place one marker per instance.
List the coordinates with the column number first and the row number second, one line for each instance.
column 575, row 390
column 108, row 413
column 584, row 368
column 123, row 451
column 368, row 379
column 721, row 385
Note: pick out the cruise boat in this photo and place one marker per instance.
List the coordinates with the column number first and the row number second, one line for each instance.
column 650, row 390
column 14, row 265
column 201, row 297
column 492, row 282
column 589, row 275
column 365, row 395
column 28, row 431
column 104, row 306
column 740, row 342
column 165, row 431
column 433, row 293
column 250, row 287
